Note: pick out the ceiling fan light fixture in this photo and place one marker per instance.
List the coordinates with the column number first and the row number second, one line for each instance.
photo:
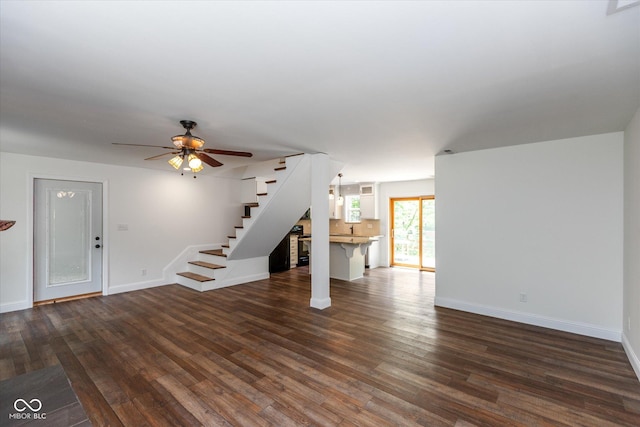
column 176, row 162
column 187, row 140
column 188, row 152
column 195, row 163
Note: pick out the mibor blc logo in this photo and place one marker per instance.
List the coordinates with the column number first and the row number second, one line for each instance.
column 28, row 410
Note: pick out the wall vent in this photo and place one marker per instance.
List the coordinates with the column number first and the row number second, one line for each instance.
column 366, row 190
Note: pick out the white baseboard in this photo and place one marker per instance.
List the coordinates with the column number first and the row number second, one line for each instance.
column 241, row 280
column 320, row 303
column 533, row 319
column 136, row 286
column 633, row 357
column 15, row 306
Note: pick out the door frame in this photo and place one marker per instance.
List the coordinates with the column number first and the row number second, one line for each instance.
column 31, row 182
column 391, row 231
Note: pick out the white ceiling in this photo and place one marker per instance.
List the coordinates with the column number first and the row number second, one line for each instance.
column 380, row 86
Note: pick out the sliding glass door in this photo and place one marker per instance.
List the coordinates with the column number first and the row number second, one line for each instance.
column 413, row 232
column 428, row 231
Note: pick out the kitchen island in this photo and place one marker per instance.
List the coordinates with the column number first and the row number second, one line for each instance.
column 346, row 255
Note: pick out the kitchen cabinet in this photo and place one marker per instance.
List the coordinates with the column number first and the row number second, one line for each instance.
column 367, row 206
column 293, row 250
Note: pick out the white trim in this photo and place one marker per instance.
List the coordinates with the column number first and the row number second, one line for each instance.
column 533, row 319
column 320, row 303
column 633, row 357
column 15, row 306
column 136, row 286
column 105, row 237
column 31, row 177
column 237, row 281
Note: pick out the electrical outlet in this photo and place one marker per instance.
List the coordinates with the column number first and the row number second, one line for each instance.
column 144, row 271
column 523, row 297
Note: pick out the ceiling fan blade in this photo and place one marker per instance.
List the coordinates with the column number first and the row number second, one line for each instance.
column 162, row 155
column 227, row 152
column 208, row 160
column 143, row 145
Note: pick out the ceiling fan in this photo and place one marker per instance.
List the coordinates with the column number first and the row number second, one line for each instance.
column 188, row 148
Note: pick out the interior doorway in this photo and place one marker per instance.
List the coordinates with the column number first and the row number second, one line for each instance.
column 67, row 239
column 413, row 232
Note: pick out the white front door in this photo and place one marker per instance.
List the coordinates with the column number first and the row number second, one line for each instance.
column 67, row 239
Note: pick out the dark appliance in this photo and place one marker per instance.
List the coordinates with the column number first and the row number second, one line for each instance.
column 279, row 258
column 303, row 254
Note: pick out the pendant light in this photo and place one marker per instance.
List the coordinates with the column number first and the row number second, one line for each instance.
column 340, row 198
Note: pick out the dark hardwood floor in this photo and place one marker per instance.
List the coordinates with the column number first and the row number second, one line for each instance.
column 256, row 354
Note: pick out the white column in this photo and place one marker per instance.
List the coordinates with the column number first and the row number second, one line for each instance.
column 320, row 231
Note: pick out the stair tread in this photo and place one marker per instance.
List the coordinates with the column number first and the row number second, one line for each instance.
column 217, row 252
column 271, row 181
column 246, row 216
column 225, row 246
column 252, row 205
column 238, row 226
column 232, row 237
column 281, row 168
column 207, row 265
column 262, row 194
column 195, row 276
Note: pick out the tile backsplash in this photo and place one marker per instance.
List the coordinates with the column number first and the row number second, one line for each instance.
column 367, row 227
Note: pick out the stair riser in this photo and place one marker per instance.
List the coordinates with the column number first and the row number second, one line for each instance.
column 193, row 284
column 213, row 259
column 246, row 222
column 204, row 271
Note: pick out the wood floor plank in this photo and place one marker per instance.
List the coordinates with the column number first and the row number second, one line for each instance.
column 257, row 354
column 191, row 402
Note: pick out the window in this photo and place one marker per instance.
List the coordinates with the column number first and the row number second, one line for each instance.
column 352, row 208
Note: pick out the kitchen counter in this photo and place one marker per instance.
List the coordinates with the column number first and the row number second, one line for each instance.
column 344, row 238
column 346, row 255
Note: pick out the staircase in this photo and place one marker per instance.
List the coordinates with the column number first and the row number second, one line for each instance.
column 245, row 257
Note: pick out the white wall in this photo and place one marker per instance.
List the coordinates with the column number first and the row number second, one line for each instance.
column 389, row 190
column 542, row 219
column 165, row 213
column 631, row 313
